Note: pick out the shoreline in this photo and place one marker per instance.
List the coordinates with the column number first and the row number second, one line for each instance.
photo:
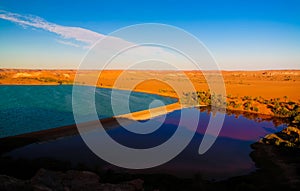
column 143, row 112
column 146, row 114
column 108, row 123
column 15, row 141
column 268, row 114
column 151, row 113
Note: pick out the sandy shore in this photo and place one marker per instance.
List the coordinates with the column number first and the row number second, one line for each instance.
column 151, row 113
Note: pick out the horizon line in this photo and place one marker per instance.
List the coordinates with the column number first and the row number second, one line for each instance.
column 73, row 69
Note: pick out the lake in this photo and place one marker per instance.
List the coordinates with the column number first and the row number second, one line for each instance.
column 29, row 108
column 228, row 157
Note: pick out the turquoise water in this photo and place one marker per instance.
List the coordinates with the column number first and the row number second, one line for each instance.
column 25, row 109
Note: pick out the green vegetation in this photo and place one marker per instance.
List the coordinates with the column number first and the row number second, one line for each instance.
column 203, row 98
column 296, row 119
column 247, row 105
column 45, row 79
column 48, row 79
column 276, row 106
column 255, row 109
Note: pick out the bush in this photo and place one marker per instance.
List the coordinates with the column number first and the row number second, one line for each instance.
column 237, row 105
column 297, row 119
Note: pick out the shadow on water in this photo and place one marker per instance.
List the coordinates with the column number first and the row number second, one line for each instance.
column 228, row 157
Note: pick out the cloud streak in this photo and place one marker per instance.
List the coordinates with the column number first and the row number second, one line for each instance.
column 79, row 34
column 68, row 43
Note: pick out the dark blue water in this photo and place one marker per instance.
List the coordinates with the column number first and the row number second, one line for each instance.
column 25, row 109
column 228, row 157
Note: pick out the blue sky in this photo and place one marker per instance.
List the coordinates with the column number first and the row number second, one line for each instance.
column 246, row 35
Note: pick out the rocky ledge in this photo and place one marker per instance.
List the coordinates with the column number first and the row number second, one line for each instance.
column 46, row 180
column 289, row 137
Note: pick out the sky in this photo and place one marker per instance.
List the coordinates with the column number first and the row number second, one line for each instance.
column 241, row 35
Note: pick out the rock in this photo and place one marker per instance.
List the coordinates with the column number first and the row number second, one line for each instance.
column 81, row 180
column 12, row 184
column 137, row 184
column 41, row 188
column 288, row 137
column 133, row 185
column 71, row 180
column 47, row 180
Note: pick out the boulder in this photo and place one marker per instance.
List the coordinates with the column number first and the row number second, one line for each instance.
column 47, row 180
column 12, row 184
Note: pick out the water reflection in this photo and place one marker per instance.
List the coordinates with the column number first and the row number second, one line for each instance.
column 228, row 157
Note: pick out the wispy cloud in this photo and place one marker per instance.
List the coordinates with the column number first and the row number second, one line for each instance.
column 79, row 34
column 68, row 43
column 83, row 38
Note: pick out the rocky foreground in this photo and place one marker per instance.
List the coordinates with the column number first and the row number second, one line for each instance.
column 288, row 137
column 46, row 180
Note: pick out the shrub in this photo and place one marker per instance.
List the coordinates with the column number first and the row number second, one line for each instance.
column 237, row 105
column 297, row 119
